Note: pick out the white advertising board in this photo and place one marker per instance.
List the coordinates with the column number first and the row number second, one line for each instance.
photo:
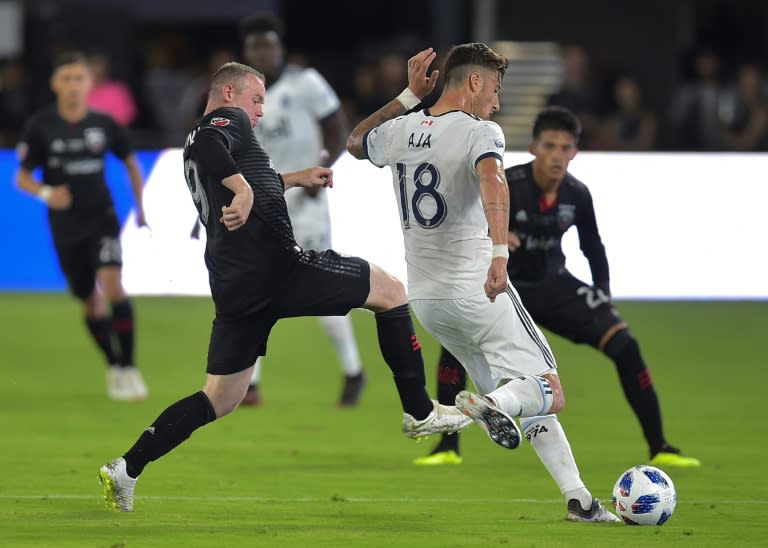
column 675, row 226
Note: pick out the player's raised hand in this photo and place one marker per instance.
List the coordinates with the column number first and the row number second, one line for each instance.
column 419, row 83
column 496, row 283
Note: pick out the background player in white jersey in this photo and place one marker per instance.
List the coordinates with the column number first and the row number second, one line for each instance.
column 453, row 197
column 303, row 126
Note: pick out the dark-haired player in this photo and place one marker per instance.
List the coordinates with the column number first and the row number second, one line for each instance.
column 304, row 126
column 258, row 274
column 546, row 201
column 453, row 200
column 69, row 142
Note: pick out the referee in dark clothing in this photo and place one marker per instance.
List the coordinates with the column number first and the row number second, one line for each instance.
column 258, row 275
column 546, row 201
column 69, row 142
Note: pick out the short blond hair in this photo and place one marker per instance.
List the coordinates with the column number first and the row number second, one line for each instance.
column 233, row 73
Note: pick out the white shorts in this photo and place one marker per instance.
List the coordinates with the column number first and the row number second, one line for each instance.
column 493, row 341
column 310, row 218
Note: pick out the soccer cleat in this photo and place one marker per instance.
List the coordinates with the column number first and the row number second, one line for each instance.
column 439, row 458
column 353, row 387
column 443, row 419
column 134, row 384
column 117, row 385
column 501, row 428
column 596, row 513
column 118, row 486
column 252, row 396
column 664, row 459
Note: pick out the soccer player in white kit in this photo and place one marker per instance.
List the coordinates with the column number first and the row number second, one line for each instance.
column 303, row 126
column 453, row 199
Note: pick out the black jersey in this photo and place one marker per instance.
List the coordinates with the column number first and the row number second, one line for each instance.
column 258, row 254
column 541, row 228
column 73, row 154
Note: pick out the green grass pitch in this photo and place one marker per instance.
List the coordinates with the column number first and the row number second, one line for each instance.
column 300, row 472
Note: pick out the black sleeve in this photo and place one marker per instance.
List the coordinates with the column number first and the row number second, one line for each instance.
column 119, row 143
column 211, row 150
column 30, row 148
column 592, row 245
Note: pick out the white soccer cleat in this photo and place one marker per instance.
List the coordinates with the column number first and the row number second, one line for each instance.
column 117, row 385
column 597, row 513
column 501, row 428
column 118, row 486
column 443, row 419
column 136, row 388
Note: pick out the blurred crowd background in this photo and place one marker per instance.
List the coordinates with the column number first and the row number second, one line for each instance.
column 687, row 75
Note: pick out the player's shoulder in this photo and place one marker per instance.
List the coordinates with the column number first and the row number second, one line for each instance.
column 97, row 117
column 43, row 117
column 519, row 173
column 297, row 74
column 225, row 118
column 575, row 185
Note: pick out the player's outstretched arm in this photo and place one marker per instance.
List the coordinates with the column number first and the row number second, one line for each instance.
column 419, row 86
column 311, row 177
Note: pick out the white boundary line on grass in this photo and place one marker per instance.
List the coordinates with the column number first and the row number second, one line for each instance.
column 339, row 498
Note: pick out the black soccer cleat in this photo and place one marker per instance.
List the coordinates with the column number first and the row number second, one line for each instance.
column 501, row 428
column 353, row 387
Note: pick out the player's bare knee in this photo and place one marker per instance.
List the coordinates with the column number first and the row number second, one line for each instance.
column 386, row 291
column 558, row 396
column 225, row 394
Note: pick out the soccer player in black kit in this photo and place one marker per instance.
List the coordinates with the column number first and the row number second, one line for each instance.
column 69, row 142
column 546, row 201
column 258, row 274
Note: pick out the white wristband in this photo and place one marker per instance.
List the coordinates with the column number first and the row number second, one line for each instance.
column 408, row 99
column 500, row 250
column 44, row 194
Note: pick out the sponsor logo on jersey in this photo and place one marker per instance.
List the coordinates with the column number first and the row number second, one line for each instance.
column 566, row 213
column 521, row 216
column 95, row 139
column 58, row 146
column 498, row 143
column 219, row 121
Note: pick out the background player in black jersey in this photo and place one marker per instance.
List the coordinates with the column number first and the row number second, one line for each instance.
column 258, row 275
column 546, row 201
column 69, row 142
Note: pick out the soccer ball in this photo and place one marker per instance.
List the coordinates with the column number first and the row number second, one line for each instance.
column 644, row 495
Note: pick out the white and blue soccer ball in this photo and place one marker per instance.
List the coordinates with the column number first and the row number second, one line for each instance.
column 644, row 495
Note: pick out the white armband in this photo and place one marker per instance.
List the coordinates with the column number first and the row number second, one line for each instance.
column 408, row 99
column 44, row 194
column 500, row 250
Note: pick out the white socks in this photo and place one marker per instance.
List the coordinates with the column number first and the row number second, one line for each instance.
column 548, row 439
column 339, row 330
column 256, row 375
column 527, row 396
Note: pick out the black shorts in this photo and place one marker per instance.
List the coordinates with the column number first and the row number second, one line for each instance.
column 79, row 261
column 320, row 284
column 570, row 308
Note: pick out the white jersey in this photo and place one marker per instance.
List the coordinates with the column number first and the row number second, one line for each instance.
column 291, row 134
column 445, row 231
